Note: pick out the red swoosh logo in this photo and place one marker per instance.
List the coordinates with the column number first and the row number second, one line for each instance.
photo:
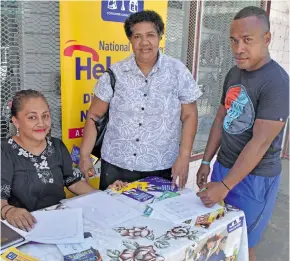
column 68, row 51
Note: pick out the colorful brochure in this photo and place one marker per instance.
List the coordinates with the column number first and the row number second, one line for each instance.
column 138, row 194
column 14, row 254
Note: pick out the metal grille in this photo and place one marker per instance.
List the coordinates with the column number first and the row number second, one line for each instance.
column 31, row 53
column 40, row 43
column 279, row 48
column 10, row 62
column 214, row 59
column 279, row 20
column 177, row 28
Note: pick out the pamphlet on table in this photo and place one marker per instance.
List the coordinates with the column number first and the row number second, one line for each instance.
column 14, row 254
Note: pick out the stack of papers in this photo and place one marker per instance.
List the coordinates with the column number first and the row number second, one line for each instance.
column 103, row 209
column 58, row 227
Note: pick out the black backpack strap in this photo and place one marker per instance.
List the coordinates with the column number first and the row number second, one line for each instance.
column 112, row 78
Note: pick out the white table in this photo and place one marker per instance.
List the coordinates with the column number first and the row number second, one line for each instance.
column 143, row 237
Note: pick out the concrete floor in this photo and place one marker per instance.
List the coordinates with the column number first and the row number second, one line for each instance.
column 275, row 243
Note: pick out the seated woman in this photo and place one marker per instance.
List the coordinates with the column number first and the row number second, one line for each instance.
column 35, row 168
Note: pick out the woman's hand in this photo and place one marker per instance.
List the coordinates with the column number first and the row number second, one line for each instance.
column 20, row 218
column 180, row 170
column 86, row 167
column 118, row 184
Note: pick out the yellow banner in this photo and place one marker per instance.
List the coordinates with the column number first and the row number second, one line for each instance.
column 92, row 38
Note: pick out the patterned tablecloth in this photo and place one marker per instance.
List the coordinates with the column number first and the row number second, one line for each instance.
column 147, row 239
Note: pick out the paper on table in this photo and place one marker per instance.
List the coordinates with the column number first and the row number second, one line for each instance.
column 68, row 249
column 94, row 210
column 182, row 208
column 58, row 227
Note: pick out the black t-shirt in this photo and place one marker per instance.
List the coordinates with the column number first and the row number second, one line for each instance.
column 35, row 182
column 247, row 96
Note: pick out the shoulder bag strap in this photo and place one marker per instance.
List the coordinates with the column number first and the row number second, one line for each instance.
column 112, row 78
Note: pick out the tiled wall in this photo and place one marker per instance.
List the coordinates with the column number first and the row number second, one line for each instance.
column 280, row 21
column 279, row 18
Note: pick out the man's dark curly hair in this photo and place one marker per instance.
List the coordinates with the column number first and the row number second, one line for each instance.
column 144, row 16
column 258, row 12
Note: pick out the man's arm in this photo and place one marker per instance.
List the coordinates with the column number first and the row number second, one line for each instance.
column 271, row 114
column 214, row 140
column 212, row 146
column 264, row 133
column 189, row 117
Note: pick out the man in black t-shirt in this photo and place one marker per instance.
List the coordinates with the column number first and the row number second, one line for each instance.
column 248, row 128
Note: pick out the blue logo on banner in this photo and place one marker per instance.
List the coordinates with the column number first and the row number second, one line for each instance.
column 235, row 224
column 11, row 256
column 119, row 10
column 75, row 155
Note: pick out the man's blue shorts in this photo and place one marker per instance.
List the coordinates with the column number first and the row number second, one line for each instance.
column 256, row 196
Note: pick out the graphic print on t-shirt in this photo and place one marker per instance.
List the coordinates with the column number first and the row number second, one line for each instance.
column 240, row 111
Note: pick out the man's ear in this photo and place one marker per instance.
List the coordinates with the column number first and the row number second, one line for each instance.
column 268, row 38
